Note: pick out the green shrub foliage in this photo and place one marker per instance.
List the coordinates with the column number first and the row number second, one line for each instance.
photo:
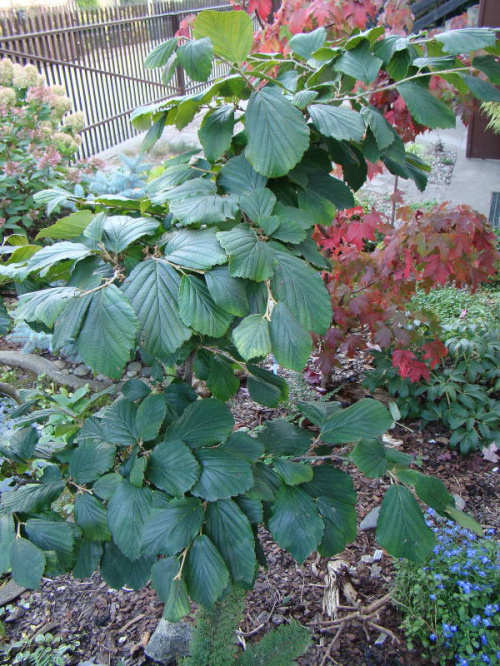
column 217, row 268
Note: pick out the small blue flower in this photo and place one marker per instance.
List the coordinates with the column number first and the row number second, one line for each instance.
column 486, row 622
column 432, row 597
column 490, row 609
column 432, row 637
column 486, row 659
column 438, row 576
column 463, row 662
column 484, row 639
column 475, row 620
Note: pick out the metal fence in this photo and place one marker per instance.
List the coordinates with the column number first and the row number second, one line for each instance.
column 98, row 55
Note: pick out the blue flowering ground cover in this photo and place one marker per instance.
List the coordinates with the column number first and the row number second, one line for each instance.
column 451, row 606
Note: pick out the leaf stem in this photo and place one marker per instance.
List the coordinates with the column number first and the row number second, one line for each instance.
column 183, row 561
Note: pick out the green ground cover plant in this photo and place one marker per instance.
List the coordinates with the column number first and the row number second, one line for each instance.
column 450, row 606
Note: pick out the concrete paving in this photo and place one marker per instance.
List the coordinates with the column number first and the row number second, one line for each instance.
column 473, row 180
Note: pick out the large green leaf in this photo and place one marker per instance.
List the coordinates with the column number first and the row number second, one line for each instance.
column 90, row 460
column 337, row 122
column 230, row 530
column 199, row 310
column 172, row 527
column 306, row 43
column 382, row 130
column 88, row 559
column 27, row 562
column 364, row 420
column 484, row 91
column 7, row 535
column 216, row 132
column 120, row 231
column 68, row 227
column 243, row 446
column 107, row 336
column 433, row 492
column 206, row 573
column 295, row 523
column 21, row 444
column 237, row 176
column 277, row 133
column 172, row 591
column 173, row 468
column 249, row 257
column 228, row 292
column 47, row 257
column 221, row 380
column 231, row 33
column 401, row 527
column 5, row 320
column 339, row 516
column 290, row 343
column 282, row 438
column 194, row 249
column 69, row 322
column 152, row 289
column 120, row 423
column 203, row 423
column 465, row 40
column 118, row 570
column 322, row 195
column 50, row 535
column 369, row 457
column 160, row 55
column 425, row 108
column 490, row 66
column 223, row 475
column 150, row 416
column 91, row 518
column 360, row 63
column 32, row 497
column 303, row 292
column 195, row 57
column 251, row 337
column 265, row 387
column 204, row 209
column 128, row 510
column 45, row 305
column 293, row 473
column 257, row 204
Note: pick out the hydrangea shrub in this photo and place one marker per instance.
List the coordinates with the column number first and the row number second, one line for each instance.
column 38, row 138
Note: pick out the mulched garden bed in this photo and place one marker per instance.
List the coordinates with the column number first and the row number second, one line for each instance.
column 112, row 625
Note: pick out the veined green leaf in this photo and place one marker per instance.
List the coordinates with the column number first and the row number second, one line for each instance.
column 248, row 256
column 195, row 57
column 265, row 387
column 203, row 423
column 198, row 249
column 305, row 43
column 91, row 518
column 231, row 33
column 228, row 292
column 237, row 176
column 223, row 475
column 401, row 527
column 120, row 231
column 337, row 122
column 295, row 523
column 50, row 535
column 44, row 259
column 216, row 132
column 27, row 562
column 277, row 133
column 231, row 532
column 199, row 310
column 281, row 438
column 172, row 527
column 424, row 107
column 160, row 55
column 90, row 460
column 369, row 457
column 293, row 473
column 465, row 40
column 360, row 63
column 152, row 289
column 290, row 343
column 251, row 337
column 173, row 468
column 45, row 305
column 366, row 418
column 221, row 380
column 382, row 130
column 118, row 570
column 68, row 227
column 128, row 510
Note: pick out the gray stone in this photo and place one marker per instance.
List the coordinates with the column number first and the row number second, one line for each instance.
column 65, row 371
column 169, row 642
column 101, row 378
column 60, row 365
column 131, row 373
column 81, row 370
column 369, row 522
column 459, row 502
column 9, row 592
column 135, row 366
column 146, row 372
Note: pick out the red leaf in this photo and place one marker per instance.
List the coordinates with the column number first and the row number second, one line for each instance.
column 261, row 7
column 435, row 351
column 408, row 366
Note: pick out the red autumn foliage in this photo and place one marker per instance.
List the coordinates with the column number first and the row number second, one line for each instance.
column 377, row 268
